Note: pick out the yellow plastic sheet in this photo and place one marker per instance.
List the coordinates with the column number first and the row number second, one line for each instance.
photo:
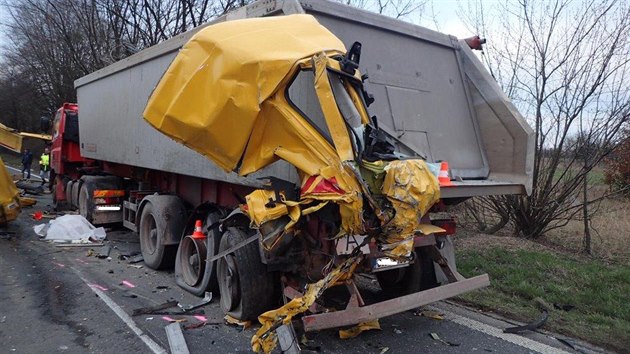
column 213, row 92
column 412, row 189
column 9, row 196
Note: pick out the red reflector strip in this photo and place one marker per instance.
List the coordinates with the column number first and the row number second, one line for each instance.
column 108, row 193
column 109, row 200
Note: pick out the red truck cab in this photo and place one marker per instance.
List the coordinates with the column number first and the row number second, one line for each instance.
column 65, row 156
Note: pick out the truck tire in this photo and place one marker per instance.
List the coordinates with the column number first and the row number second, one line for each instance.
column 60, row 182
column 416, row 277
column 247, row 289
column 187, row 274
column 156, row 254
column 76, row 189
column 86, row 202
column 69, row 194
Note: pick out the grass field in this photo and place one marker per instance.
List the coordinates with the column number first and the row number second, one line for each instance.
column 521, row 271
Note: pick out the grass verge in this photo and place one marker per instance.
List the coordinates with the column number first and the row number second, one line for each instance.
column 599, row 292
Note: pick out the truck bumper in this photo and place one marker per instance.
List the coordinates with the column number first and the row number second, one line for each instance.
column 355, row 314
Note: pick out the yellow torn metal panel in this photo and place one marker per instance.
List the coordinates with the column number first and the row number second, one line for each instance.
column 358, row 329
column 412, row 189
column 265, row 338
column 212, row 95
column 9, row 196
column 10, row 139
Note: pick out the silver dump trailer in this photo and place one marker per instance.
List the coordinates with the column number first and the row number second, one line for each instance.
column 431, row 94
column 325, row 211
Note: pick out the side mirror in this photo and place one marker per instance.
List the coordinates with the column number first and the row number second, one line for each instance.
column 44, row 124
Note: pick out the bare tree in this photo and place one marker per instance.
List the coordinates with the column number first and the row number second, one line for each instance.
column 566, row 66
column 51, row 43
column 394, row 8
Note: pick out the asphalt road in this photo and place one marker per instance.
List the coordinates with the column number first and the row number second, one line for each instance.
column 56, row 299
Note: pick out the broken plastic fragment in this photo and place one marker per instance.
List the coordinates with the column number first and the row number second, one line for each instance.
column 358, row 329
column 206, row 300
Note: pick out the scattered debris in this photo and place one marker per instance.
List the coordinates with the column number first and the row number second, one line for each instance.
column 153, row 309
column 437, row 338
column 149, row 319
column 233, row 321
column 162, row 287
column 127, row 284
column 59, row 264
column 176, row 340
column 397, row 331
column 24, row 201
column 170, row 319
column 384, row 350
column 104, row 252
column 206, row 300
column 135, row 259
column 429, row 314
column 356, row 330
column 195, row 325
column 88, row 244
column 544, row 307
column 137, row 266
column 201, row 318
column 287, row 339
column 38, row 215
column 567, row 342
column 3, row 319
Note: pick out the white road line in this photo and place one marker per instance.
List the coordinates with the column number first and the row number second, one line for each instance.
column 498, row 333
column 19, row 170
column 155, row 348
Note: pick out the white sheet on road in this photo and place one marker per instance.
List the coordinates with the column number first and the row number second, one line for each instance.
column 69, row 228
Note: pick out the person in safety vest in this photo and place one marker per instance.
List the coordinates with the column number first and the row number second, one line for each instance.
column 44, row 165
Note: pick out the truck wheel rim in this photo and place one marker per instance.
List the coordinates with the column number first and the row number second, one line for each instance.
column 228, row 283
column 193, row 260
column 150, row 233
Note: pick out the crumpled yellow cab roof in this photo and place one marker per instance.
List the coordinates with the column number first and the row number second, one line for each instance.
column 211, row 95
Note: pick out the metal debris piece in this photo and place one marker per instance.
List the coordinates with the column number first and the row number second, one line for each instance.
column 153, row 309
column 437, row 338
column 206, row 300
column 104, row 252
column 71, row 245
column 176, row 340
column 384, row 350
column 287, row 339
column 530, row 326
column 135, row 259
